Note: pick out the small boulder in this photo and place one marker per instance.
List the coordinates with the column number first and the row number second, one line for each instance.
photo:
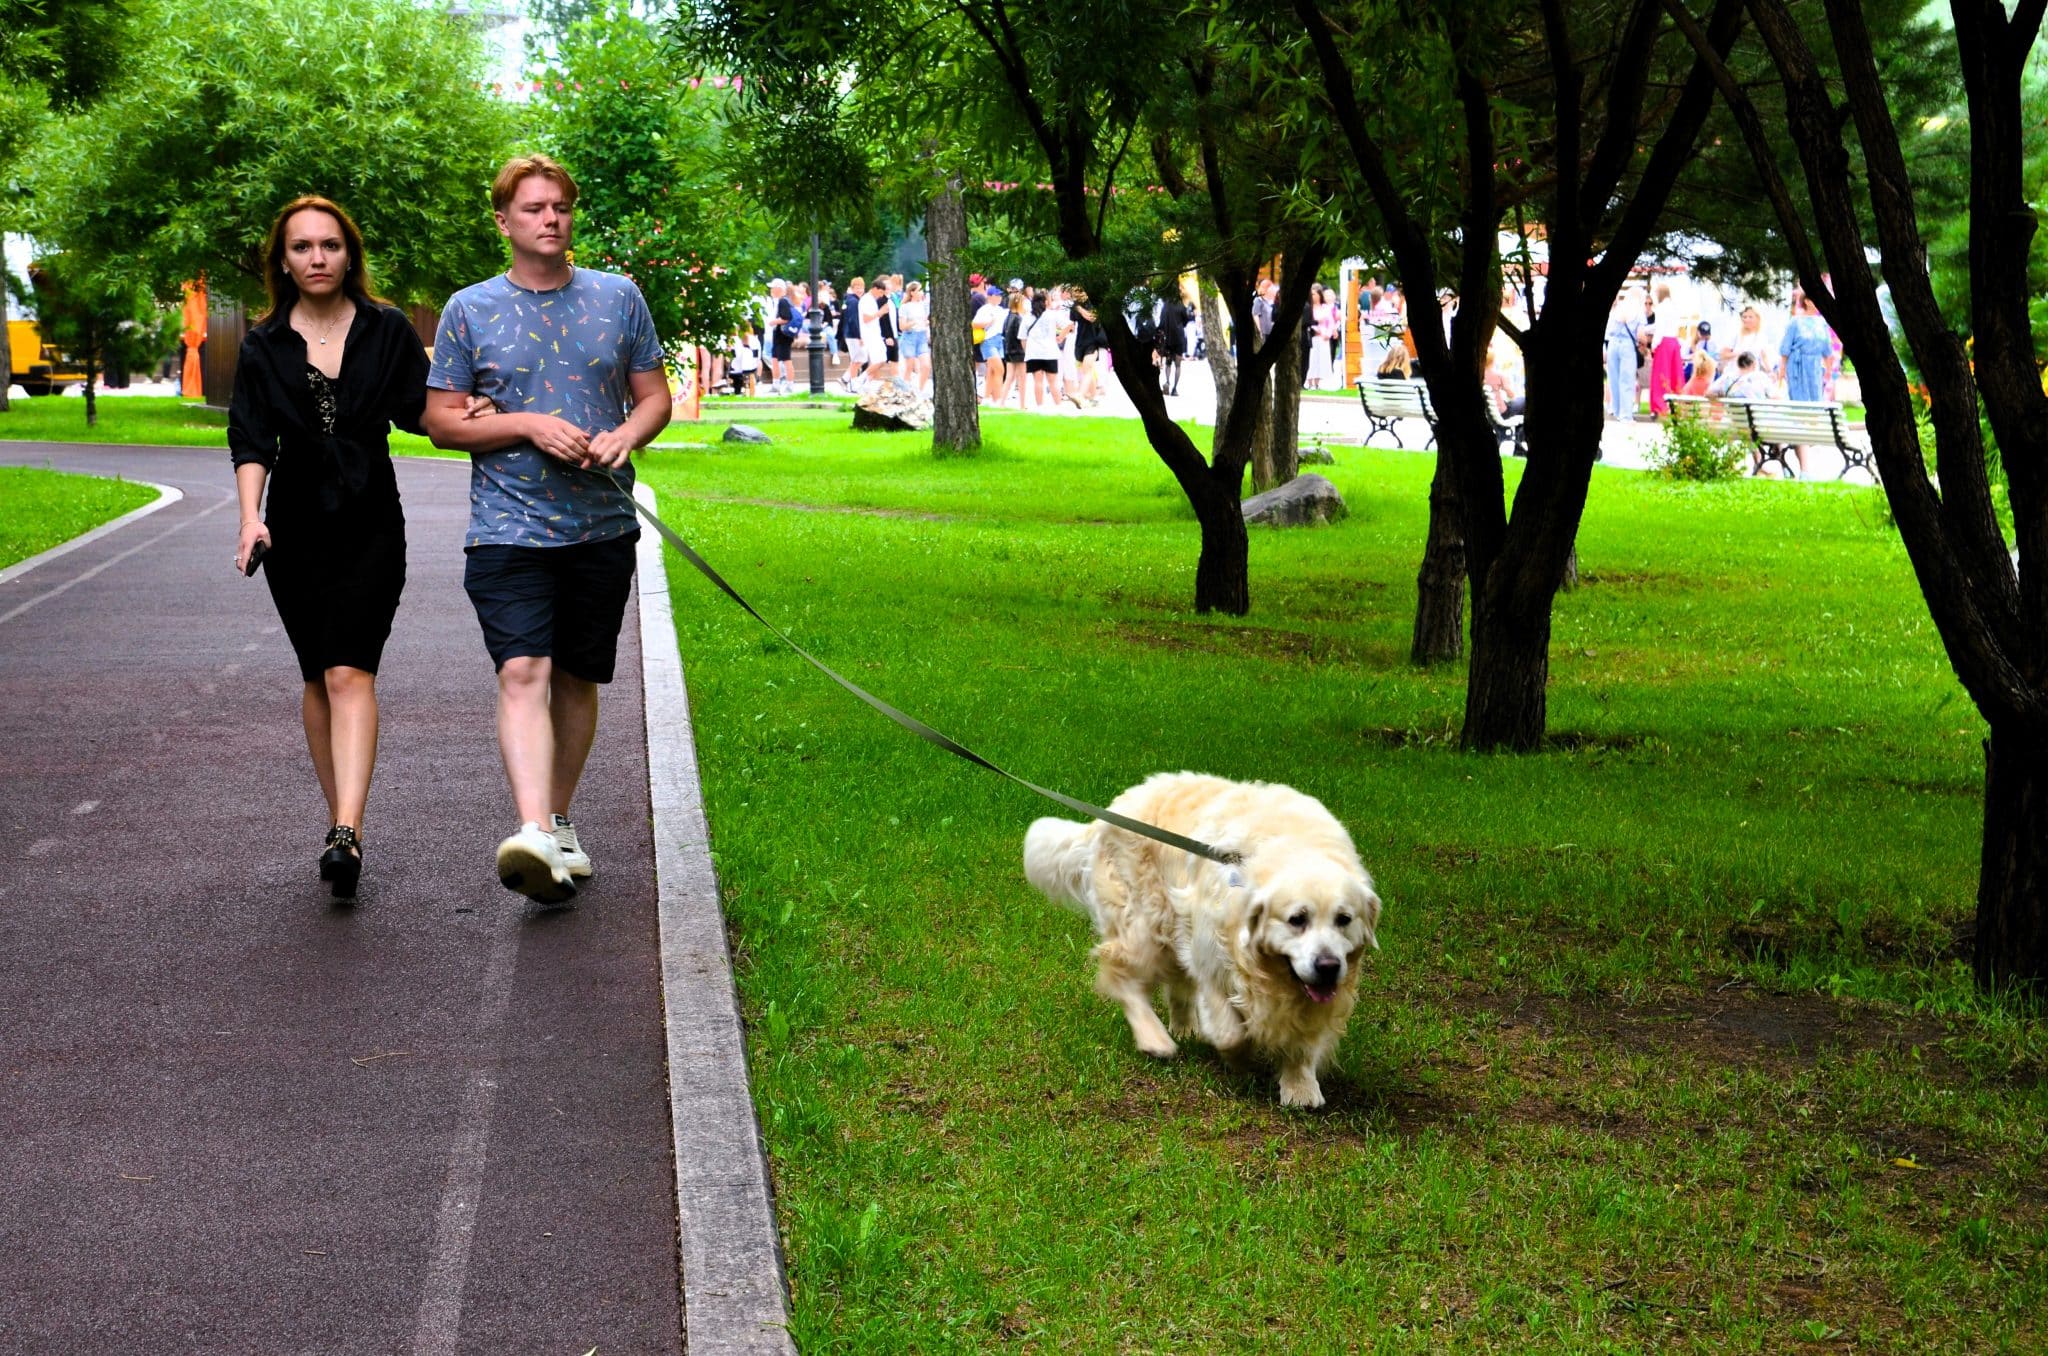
column 893, row 408
column 745, row 433
column 1303, row 500
column 1314, row 456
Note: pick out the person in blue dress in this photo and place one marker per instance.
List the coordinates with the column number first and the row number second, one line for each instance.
column 1804, row 351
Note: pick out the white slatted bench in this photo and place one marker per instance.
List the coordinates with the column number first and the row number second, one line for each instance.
column 1775, row 427
column 1714, row 411
column 1388, row 401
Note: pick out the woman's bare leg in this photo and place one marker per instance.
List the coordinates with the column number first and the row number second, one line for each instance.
column 352, row 703
column 318, row 719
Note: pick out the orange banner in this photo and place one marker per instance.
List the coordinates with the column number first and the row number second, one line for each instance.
column 193, row 385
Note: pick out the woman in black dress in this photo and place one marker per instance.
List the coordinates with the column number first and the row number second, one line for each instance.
column 1172, row 340
column 324, row 375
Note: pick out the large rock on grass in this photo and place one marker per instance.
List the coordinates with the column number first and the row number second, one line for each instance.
column 745, row 433
column 1301, row 501
column 893, row 408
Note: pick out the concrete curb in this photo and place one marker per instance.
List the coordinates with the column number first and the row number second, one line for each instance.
column 166, row 496
column 734, row 1295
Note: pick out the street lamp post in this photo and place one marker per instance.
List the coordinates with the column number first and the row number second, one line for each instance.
column 814, row 326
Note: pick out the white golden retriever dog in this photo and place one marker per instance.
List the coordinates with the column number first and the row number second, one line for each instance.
column 1261, row 957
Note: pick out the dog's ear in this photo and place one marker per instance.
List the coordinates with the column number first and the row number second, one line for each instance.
column 1254, row 920
column 1368, row 906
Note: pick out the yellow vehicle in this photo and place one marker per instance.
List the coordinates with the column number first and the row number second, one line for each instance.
column 37, row 367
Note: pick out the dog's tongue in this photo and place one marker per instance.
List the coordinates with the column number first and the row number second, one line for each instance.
column 1318, row 995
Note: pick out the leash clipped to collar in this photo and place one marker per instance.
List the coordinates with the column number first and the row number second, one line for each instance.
column 912, row 723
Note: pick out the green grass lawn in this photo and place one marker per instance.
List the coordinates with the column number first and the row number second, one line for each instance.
column 40, row 509
column 1669, row 1045
column 158, row 421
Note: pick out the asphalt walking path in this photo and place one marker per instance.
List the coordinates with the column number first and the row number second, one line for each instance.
column 235, row 1117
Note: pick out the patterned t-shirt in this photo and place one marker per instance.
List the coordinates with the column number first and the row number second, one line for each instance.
column 570, row 353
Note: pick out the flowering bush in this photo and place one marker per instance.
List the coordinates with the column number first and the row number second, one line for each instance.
column 1692, row 449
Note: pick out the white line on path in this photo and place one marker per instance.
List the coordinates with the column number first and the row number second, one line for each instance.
column 440, row 1318
column 85, row 807
column 48, row 594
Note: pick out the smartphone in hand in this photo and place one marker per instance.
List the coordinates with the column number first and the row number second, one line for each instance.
column 256, row 554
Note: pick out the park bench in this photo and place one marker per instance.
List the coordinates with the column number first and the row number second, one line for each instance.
column 1775, row 427
column 1714, row 411
column 1388, row 401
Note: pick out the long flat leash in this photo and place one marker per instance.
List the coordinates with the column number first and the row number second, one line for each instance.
column 912, row 723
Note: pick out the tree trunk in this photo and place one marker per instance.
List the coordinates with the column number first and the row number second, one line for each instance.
column 1286, row 435
column 2012, row 889
column 92, row 377
column 956, row 414
column 1440, row 584
column 1515, row 590
column 1222, row 370
column 1223, row 581
column 1262, row 440
column 1505, row 697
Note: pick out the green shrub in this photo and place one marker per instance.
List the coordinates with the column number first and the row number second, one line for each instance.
column 1691, row 449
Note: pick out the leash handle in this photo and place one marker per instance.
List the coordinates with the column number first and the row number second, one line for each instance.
column 912, row 723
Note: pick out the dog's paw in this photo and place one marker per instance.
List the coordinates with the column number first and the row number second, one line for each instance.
column 1306, row 1093
column 1159, row 1046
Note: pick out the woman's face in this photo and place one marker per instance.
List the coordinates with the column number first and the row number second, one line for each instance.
column 315, row 255
column 1750, row 321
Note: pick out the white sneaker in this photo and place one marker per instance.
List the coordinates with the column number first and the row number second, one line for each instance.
column 531, row 862
column 573, row 855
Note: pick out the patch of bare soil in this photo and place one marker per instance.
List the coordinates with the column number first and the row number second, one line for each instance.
column 1626, row 579
column 853, row 509
column 1263, row 642
column 1733, row 1024
column 1578, row 741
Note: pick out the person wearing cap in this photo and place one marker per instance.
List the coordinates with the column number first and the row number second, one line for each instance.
column 1699, row 362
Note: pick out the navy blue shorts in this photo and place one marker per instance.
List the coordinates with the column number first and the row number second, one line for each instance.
column 563, row 603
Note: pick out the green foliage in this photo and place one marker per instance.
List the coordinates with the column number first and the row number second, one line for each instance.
column 1692, row 449
column 107, row 321
column 240, row 105
column 641, row 145
column 54, row 54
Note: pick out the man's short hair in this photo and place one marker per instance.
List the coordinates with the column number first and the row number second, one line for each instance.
column 521, row 167
column 1745, row 359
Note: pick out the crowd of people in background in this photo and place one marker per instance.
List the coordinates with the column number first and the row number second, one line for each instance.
column 1653, row 348
column 1043, row 347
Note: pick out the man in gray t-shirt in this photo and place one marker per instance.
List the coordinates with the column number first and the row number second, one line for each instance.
column 570, row 353
column 568, row 360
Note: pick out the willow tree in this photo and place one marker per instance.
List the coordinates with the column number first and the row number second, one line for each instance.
column 1988, row 602
column 1069, row 95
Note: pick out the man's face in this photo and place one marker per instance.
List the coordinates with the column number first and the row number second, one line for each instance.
column 537, row 219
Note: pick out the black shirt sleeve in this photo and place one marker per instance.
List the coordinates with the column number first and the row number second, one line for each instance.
column 406, row 386
column 252, row 429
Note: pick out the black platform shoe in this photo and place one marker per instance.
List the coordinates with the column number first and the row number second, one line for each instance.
column 342, row 862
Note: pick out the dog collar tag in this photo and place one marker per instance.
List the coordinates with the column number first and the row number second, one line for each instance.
column 1235, row 879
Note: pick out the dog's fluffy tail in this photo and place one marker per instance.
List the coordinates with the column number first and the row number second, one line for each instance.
column 1057, row 853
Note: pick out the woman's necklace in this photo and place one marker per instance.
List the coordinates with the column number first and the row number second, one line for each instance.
column 336, row 320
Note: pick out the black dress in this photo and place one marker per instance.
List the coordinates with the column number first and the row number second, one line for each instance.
column 336, row 564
